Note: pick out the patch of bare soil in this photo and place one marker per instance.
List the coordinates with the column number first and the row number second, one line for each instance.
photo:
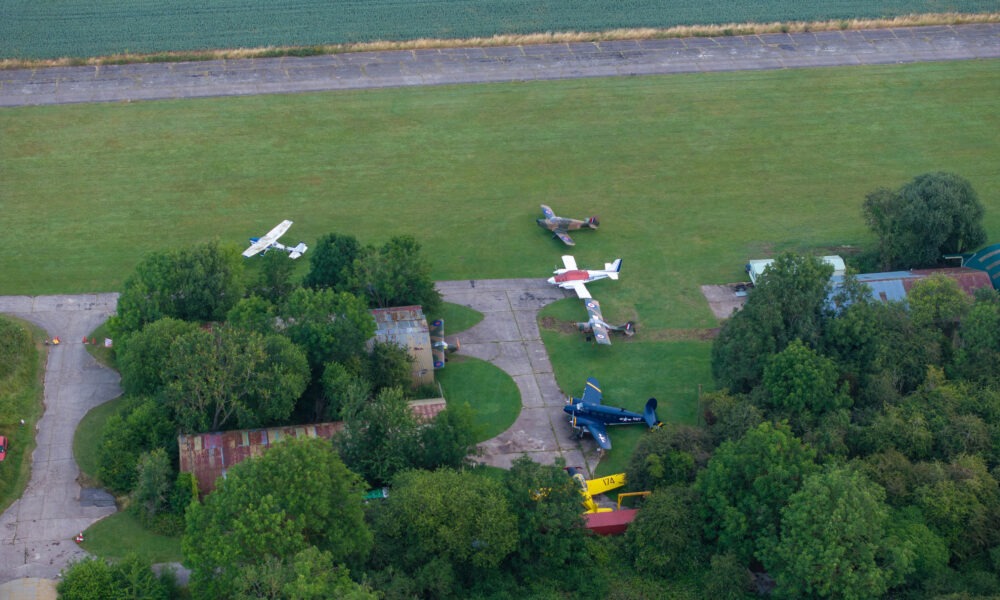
column 725, row 299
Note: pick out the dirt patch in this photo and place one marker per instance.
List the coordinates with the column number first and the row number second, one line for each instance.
column 725, row 299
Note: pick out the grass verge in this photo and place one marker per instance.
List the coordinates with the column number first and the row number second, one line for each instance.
column 86, row 440
column 21, row 397
column 102, row 354
column 121, row 534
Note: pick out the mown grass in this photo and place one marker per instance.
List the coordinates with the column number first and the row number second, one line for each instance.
column 630, row 372
column 457, row 318
column 490, row 392
column 121, row 534
column 691, row 175
column 21, row 397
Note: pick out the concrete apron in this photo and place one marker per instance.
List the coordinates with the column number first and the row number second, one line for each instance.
column 36, row 532
column 508, row 337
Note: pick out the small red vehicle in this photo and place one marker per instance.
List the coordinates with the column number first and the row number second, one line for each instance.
column 3, row 447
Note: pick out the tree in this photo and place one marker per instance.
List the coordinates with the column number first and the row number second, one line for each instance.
column 665, row 538
column 444, row 529
column 670, row 455
column 833, row 540
column 728, row 417
column 140, row 356
column 745, row 485
column 788, row 303
column 963, row 507
column 979, row 335
column 151, row 492
column 296, row 495
column 380, row 437
column 546, row 504
column 200, row 282
column 852, row 340
column 274, row 276
column 217, row 377
column 142, row 425
column 396, row 274
column 934, row 214
column 128, row 578
column 802, row 386
column 310, row 575
column 449, row 439
column 329, row 326
column 253, row 314
column 331, row 262
column 388, row 365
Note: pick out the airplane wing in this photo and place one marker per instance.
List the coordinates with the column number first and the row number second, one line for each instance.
column 601, row 333
column 437, row 349
column 597, row 430
column 597, row 322
column 256, row 247
column 562, row 235
column 570, row 262
column 591, row 392
column 269, row 238
column 577, row 286
column 548, row 212
column 599, row 486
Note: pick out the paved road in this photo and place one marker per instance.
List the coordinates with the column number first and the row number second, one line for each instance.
column 114, row 83
column 36, row 531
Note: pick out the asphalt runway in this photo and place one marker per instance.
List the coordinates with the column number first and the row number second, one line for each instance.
column 450, row 66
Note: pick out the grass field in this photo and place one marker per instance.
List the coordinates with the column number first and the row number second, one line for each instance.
column 691, row 175
column 81, row 28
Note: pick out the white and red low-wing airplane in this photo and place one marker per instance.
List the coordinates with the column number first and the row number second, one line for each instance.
column 270, row 240
column 572, row 278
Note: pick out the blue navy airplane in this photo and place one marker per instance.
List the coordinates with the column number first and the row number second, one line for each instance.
column 589, row 415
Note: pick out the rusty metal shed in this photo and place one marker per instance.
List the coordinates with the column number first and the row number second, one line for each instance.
column 407, row 327
column 209, row 455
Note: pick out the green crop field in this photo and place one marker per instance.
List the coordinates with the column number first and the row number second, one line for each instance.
column 30, row 29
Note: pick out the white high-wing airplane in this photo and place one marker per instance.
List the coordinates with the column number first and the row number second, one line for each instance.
column 270, row 240
column 573, row 278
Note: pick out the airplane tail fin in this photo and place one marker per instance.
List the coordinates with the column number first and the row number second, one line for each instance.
column 650, row 414
column 629, row 328
column 613, row 268
column 593, row 222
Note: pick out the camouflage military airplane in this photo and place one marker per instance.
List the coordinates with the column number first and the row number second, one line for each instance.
column 560, row 225
column 598, row 328
column 439, row 347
